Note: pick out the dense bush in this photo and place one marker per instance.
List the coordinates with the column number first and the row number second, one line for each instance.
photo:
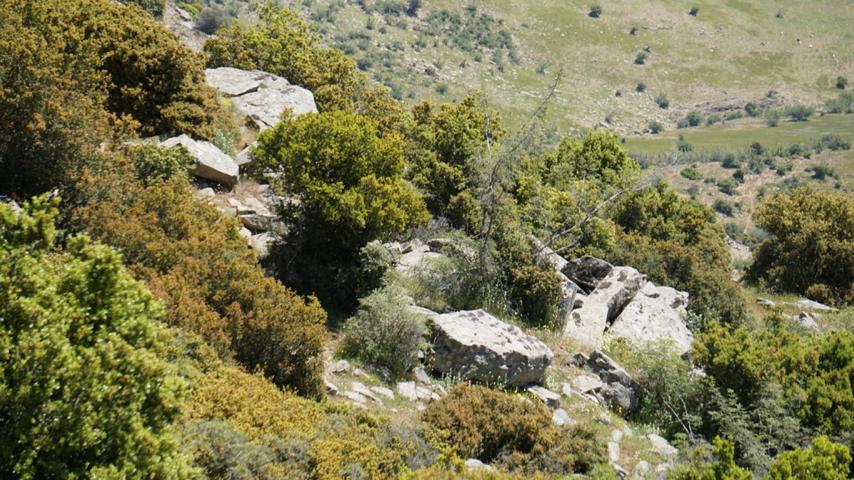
column 824, row 461
column 595, row 11
column 723, row 207
column 498, row 427
column 281, row 43
column 799, row 113
column 83, row 390
column 655, row 127
column 154, row 7
column 841, row 82
column 349, row 180
column 811, row 243
column 194, row 260
column 693, row 118
column 841, row 104
column 662, row 101
column 691, row 173
column 386, row 333
column 640, row 58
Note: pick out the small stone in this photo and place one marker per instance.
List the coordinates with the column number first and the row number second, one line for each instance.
column 587, row 384
column 561, row 418
column 407, row 390
column 245, row 233
column 204, row 193
column 359, row 372
column 616, row 435
column 613, row 452
column 641, row 470
column 662, row 445
column 360, row 388
column 354, row 396
column 475, row 464
column 765, row 302
column 341, row 366
column 566, row 390
column 422, row 376
column 331, row 389
column 386, row 392
column 550, row 398
column 806, row 320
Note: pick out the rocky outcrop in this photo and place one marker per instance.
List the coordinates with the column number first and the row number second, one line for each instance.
column 593, row 313
column 612, row 385
column 654, row 313
column 474, row 345
column 209, row 161
column 601, row 301
column 181, row 23
column 260, row 95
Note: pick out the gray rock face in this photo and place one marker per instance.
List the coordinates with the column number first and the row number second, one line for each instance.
column 260, row 95
column 210, row 163
column 587, row 271
column 662, row 445
column 587, row 323
column 613, row 386
column 561, row 418
column 654, row 313
column 550, row 398
column 476, row 346
column 806, row 320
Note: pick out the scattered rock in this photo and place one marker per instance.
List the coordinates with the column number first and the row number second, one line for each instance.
column 654, row 313
column 613, row 452
column 474, row 345
column 207, row 192
column 331, row 389
column 550, row 398
column 475, row 464
column 587, row 271
column 261, row 244
column 210, row 162
column 245, row 156
column 386, row 392
column 341, row 366
column 812, row 305
column 586, row 384
column 407, row 390
column 419, row 372
column 260, row 95
column 641, row 470
column 245, row 233
column 765, row 302
column 806, row 320
column 360, row 388
column 566, row 390
column 354, row 396
column 616, row 435
column 662, row 445
column 561, row 418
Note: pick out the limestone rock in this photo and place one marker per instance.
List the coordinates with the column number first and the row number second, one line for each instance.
column 474, row 345
column 641, row 471
column 260, row 95
column 341, row 366
column 587, row 384
column 386, row 392
column 807, row 320
column 363, row 390
column 812, row 305
column 601, row 307
column 550, row 398
column 475, row 464
column 662, row 445
column 261, row 243
column 209, row 161
column 654, row 313
column 613, row 452
column 587, row 271
column 561, row 418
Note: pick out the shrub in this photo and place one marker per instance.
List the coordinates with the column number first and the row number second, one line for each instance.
column 691, row 173
column 442, row 88
column 821, row 171
column 713, row 119
column 154, row 164
column 498, row 427
column 734, row 115
column 727, row 186
column 751, row 109
column 385, row 332
column 694, row 11
column 595, row 11
column 841, row 82
column 84, row 391
column 842, row 104
column 194, row 260
column 210, row 20
column 772, row 118
column 640, row 58
column 655, row 127
column 662, row 101
column 640, row 87
column 719, row 464
column 824, row 461
column 633, row 31
column 694, row 118
column 834, row 142
column 799, row 113
column 154, row 7
column 684, row 146
column 811, row 235
column 413, row 7
column 724, row 207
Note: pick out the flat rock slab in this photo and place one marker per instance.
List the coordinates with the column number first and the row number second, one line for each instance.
column 210, row 162
column 474, row 345
column 260, row 95
column 654, row 313
column 587, row 323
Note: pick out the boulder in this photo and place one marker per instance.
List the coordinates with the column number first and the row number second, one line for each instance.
column 613, row 387
column 476, row 346
column 363, row 390
column 654, row 313
column 209, row 161
column 550, row 398
column 475, row 464
column 260, row 95
column 807, row 320
column 244, row 157
column 613, row 452
column 603, row 305
column 812, row 305
column 662, row 445
column 261, row 243
column 587, row 384
column 587, row 271
column 560, row 418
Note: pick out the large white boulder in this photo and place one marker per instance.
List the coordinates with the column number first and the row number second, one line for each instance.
column 476, row 346
column 260, row 95
column 587, row 322
column 654, row 313
column 210, row 162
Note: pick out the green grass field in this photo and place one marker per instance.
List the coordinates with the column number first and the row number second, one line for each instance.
column 741, row 133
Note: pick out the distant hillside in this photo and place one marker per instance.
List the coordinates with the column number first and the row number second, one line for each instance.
column 730, row 53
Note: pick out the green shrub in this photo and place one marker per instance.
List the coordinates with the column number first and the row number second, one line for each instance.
column 154, row 164
column 724, row 207
column 694, row 118
column 717, row 464
column 842, row 104
column 85, row 391
column 824, row 461
column 684, row 146
column 751, row 109
column 799, row 113
column 772, row 118
column 727, row 186
column 841, row 82
column 385, row 333
column 811, row 235
column 210, row 20
column 713, row 119
column 154, row 7
column 691, row 173
column 655, row 127
column 821, row 171
column 662, row 101
column 595, row 11
column 640, row 87
column 640, row 58
column 694, row 11
column 498, row 427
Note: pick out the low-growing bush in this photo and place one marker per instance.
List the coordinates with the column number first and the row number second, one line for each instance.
column 640, row 87
column 841, row 104
column 640, row 58
column 694, row 118
column 691, row 173
column 799, row 113
column 494, row 426
column 694, row 11
column 385, row 333
column 772, row 118
column 713, row 119
column 655, row 127
column 595, row 11
column 724, row 207
column 751, row 109
column 841, row 82
column 662, row 101
column 821, row 171
column 727, row 186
